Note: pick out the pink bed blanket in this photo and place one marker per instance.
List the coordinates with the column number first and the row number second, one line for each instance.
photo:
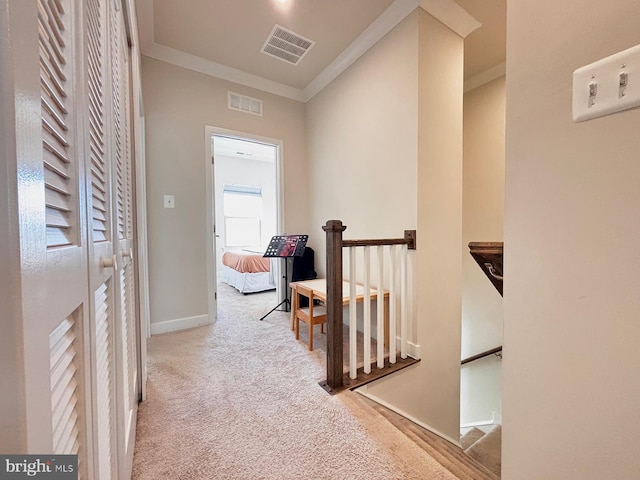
column 245, row 262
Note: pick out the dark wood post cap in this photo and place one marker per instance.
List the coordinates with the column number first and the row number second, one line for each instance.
column 334, row 226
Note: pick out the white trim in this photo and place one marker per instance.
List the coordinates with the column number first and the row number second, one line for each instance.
column 479, row 423
column 497, row 418
column 179, row 324
column 210, row 132
column 446, row 11
column 413, row 349
column 386, row 22
column 363, row 391
column 452, row 15
column 202, row 65
column 485, row 77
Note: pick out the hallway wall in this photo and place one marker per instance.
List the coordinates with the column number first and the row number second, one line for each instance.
column 572, row 230
column 178, row 105
column 385, row 152
column 482, row 220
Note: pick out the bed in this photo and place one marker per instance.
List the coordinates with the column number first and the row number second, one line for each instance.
column 247, row 271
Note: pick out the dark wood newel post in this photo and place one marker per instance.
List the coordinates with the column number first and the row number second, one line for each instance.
column 334, row 229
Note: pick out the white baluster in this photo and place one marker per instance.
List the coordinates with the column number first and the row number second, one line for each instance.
column 403, row 300
column 367, row 309
column 380, row 311
column 392, row 304
column 353, row 319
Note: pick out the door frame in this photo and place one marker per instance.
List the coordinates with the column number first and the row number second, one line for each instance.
column 210, row 132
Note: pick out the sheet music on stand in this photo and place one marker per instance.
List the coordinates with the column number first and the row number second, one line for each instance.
column 285, row 247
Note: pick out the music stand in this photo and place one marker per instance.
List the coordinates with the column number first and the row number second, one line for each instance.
column 285, row 247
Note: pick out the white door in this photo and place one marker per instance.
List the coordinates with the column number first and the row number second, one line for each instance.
column 70, row 70
column 57, row 326
column 103, row 262
column 122, row 203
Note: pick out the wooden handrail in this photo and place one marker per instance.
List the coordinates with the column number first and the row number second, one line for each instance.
column 335, row 243
column 409, row 240
column 481, row 355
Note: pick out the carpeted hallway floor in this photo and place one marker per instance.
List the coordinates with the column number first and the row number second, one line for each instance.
column 239, row 400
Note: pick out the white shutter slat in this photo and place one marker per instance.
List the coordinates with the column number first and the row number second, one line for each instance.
column 59, row 165
column 103, row 379
column 95, row 74
column 118, row 150
column 56, row 200
column 52, row 91
column 54, row 180
column 56, row 13
column 64, row 374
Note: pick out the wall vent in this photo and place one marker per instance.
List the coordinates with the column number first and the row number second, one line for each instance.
column 286, row 45
column 242, row 103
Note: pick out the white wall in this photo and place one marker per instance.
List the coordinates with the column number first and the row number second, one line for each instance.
column 482, row 220
column 385, row 153
column 571, row 404
column 362, row 140
column 178, row 105
column 239, row 171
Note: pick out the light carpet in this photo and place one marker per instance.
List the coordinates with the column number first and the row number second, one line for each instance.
column 240, row 400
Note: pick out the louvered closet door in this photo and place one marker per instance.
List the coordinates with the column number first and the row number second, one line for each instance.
column 57, row 335
column 122, row 189
column 103, row 263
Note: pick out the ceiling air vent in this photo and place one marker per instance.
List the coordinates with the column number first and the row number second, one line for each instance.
column 242, row 103
column 286, row 45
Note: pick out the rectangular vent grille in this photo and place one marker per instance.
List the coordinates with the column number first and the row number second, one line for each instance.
column 286, row 45
column 242, row 103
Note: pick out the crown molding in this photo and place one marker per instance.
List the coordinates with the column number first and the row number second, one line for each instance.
column 446, row 11
column 392, row 16
column 485, row 77
column 452, row 15
column 213, row 69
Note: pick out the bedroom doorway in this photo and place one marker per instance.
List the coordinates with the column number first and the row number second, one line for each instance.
column 245, row 210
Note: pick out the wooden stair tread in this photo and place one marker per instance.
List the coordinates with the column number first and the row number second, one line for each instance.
column 444, row 452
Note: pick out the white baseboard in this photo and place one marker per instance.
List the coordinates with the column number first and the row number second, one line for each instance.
column 479, row 423
column 413, row 350
column 363, row 391
column 496, row 419
column 179, row 324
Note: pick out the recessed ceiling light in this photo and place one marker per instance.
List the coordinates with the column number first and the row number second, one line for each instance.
column 283, row 1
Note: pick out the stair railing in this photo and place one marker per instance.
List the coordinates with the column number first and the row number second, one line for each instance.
column 396, row 296
column 494, row 351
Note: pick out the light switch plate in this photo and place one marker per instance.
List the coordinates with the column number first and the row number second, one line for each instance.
column 169, row 201
column 607, row 86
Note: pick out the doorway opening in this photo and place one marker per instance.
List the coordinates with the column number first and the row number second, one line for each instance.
column 244, row 211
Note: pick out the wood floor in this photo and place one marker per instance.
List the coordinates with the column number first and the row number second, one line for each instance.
column 448, row 455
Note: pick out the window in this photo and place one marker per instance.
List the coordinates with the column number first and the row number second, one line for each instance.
column 242, row 207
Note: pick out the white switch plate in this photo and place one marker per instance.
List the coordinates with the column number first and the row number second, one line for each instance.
column 608, row 96
column 169, row 201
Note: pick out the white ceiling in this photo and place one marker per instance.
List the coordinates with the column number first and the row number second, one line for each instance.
column 224, row 37
column 245, row 149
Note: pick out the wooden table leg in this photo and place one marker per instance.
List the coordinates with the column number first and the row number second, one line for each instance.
column 294, row 304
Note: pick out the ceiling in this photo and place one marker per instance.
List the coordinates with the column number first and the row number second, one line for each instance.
column 224, row 37
column 245, row 149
